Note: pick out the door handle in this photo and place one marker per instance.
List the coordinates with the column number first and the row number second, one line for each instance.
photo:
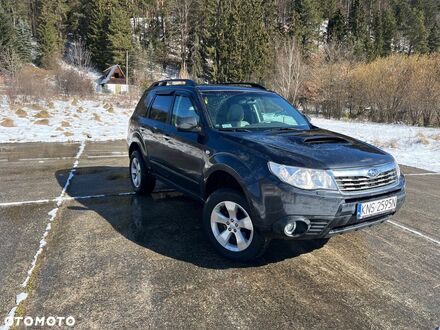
column 167, row 137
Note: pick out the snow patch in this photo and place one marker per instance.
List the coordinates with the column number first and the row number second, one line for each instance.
column 410, row 145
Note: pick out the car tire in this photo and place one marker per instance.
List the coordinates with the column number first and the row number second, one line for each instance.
column 141, row 180
column 227, row 221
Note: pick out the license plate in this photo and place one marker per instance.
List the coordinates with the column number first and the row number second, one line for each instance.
column 369, row 209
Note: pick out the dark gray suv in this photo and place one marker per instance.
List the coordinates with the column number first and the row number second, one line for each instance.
column 259, row 166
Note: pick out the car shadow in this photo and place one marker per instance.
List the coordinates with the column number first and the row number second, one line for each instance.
column 165, row 221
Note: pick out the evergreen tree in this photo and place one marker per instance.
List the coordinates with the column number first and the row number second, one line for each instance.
column 7, row 32
column 240, row 41
column 378, row 34
column 24, row 41
column 50, row 31
column 306, row 23
column 198, row 39
column 336, row 28
column 97, row 34
column 359, row 36
column 119, row 35
column 389, row 32
column 417, row 34
column 434, row 39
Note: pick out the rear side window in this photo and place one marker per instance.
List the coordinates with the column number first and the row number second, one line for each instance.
column 161, row 107
column 142, row 106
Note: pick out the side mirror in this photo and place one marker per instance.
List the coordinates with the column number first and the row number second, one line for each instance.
column 188, row 124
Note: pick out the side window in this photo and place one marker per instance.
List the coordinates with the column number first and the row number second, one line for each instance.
column 142, row 106
column 160, row 108
column 183, row 109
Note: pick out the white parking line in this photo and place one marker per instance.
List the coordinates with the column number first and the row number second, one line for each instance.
column 109, row 156
column 420, row 174
column 113, row 155
column 53, row 213
column 415, row 232
column 38, row 201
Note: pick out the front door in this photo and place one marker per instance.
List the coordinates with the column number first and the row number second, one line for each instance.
column 185, row 150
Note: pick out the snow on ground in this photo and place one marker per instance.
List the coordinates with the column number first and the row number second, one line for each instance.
column 410, row 145
column 106, row 118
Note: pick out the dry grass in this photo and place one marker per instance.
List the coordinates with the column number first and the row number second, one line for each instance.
column 110, row 109
column 393, row 143
column 60, row 129
column 42, row 114
column 44, row 122
column 80, row 110
column 50, row 105
column 436, row 137
column 37, row 106
column 21, row 113
column 421, row 138
column 65, row 124
column 68, row 134
column 377, row 143
column 7, row 122
column 96, row 117
column 75, row 102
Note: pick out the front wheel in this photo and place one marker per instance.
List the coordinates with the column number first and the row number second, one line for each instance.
column 227, row 221
column 141, row 180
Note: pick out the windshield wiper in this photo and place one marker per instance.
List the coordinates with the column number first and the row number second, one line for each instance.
column 283, row 129
column 234, row 129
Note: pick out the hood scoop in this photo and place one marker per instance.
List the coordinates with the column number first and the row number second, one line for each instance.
column 325, row 139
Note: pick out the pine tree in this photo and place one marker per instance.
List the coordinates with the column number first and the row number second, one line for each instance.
column 306, row 23
column 50, row 31
column 24, row 41
column 96, row 38
column 198, row 38
column 336, row 28
column 434, row 39
column 389, row 32
column 119, row 35
column 240, row 42
column 7, row 32
column 359, row 36
column 417, row 34
column 378, row 34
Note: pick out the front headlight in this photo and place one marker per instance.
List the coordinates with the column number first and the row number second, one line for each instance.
column 303, row 178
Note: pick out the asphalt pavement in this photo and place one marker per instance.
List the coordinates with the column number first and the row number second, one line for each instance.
column 115, row 260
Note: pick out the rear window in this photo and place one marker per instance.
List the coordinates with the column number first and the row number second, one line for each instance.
column 161, row 107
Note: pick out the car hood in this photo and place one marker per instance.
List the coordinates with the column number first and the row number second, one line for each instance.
column 316, row 148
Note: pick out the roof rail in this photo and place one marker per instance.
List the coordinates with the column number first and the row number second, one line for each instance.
column 169, row 82
column 251, row 84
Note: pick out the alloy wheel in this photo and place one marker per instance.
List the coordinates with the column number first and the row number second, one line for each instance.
column 135, row 172
column 232, row 226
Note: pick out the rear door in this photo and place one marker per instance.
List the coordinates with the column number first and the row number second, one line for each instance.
column 155, row 130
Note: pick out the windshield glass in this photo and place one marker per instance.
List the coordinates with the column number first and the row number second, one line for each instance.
column 251, row 111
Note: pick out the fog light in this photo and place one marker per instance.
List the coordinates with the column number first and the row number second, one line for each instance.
column 290, row 228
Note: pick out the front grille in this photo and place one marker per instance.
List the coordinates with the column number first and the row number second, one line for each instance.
column 363, row 182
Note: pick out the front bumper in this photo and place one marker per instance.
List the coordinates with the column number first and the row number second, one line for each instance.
column 329, row 212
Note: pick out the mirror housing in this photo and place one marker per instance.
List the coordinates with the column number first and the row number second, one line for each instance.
column 189, row 124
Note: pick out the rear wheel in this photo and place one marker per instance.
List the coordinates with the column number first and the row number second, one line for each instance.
column 141, row 180
column 228, row 223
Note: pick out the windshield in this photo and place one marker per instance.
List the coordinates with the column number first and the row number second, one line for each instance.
column 251, row 111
